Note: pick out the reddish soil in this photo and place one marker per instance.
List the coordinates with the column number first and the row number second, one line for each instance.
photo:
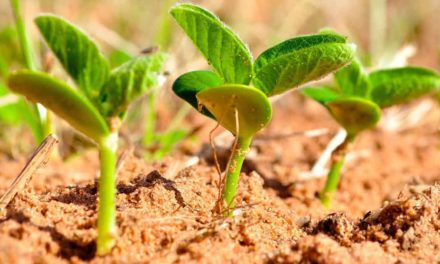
column 386, row 209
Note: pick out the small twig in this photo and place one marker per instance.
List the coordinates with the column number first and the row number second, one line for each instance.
column 399, row 119
column 123, row 157
column 39, row 158
column 217, row 206
column 308, row 133
column 337, row 140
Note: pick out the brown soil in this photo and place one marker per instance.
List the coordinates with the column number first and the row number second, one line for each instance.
column 165, row 210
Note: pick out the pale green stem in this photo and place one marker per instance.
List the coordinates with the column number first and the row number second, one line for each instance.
column 233, row 172
column 23, row 36
column 332, row 182
column 334, row 175
column 150, row 122
column 107, row 195
column 178, row 117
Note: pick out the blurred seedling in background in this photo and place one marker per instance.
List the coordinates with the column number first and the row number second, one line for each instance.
column 356, row 100
column 150, row 143
column 16, row 49
column 226, row 95
column 96, row 108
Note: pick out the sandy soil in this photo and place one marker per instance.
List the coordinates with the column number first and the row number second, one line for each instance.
column 386, row 209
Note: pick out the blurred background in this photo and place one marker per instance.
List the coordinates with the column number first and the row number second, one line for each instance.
column 387, row 33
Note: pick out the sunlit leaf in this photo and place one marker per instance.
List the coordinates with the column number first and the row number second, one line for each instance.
column 299, row 60
column 354, row 114
column 223, row 49
column 400, row 85
column 253, row 108
column 78, row 54
column 128, row 82
column 62, row 100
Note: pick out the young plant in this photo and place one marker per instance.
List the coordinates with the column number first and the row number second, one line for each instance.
column 96, row 108
column 226, row 94
column 356, row 102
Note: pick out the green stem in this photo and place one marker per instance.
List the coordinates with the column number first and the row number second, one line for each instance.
column 334, row 174
column 332, row 182
column 23, row 36
column 233, row 172
column 150, row 122
column 107, row 195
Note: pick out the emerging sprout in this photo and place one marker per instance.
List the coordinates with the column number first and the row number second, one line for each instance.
column 96, row 108
column 356, row 102
column 226, row 95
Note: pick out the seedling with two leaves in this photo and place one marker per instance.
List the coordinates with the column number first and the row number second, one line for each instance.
column 96, row 108
column 226, row 94
column 356, row 102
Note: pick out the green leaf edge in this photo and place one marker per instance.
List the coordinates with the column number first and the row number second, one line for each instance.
column 216, row 19
column 19, row 82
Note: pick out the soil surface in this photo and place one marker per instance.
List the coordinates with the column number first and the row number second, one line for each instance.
column 386, row 209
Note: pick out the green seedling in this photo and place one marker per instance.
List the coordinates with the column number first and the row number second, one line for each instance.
column 356, row 102
column 226, row 94
column 96, row 108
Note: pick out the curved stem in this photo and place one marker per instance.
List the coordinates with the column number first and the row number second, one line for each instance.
column 107, row 195
column 233, row 172
column 334, row 174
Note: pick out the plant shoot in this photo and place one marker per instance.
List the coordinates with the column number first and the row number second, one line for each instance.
column 96, row 108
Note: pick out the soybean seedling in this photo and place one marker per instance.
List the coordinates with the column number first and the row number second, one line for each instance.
column 226, row 95
column 356, row 102
column 96, row 108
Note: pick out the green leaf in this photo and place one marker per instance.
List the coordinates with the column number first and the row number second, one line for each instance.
column 223, row 49
column 189, row 84
column 400, row 85
column 353, row 80
column 118, row 57
column 9, row 109
column 354, row 114
column 253, row 107
column 299, row 60
column 128, row 82
column 78, row 54
column 321, row 94
column 62, row 100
